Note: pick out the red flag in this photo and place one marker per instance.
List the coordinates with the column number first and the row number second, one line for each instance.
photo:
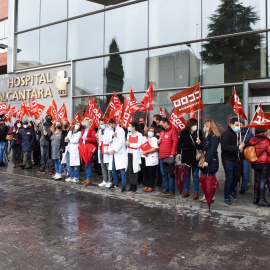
column 41, row 108
column 52, row 110
column 96, row 113
column 236, row 105
column 134, row 104
column 178, row 122
column 148, row 98
column 33, row 106
column 62, row 113
column 200, row 104
column 77, row 118
column 3, row 107
column 8, row 113
column 161, row 113
column 20, row 114
column 260, row 119
column 126, row 115
column 25, row 108
column 116, row 114
column 168, row 115
column 184, row 100
column 113, row 104
column 87, row 117
column 192, row 113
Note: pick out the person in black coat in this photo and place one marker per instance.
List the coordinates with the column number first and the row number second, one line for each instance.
column 27, row 135
column 188, row 143
column 3, row 142
column 210, row 144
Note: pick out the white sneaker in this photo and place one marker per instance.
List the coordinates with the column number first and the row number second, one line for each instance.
column 54, row 175
column 74, row 180
column 58, row 176
column 103, row 184
column 108, row 184
column 68, row 179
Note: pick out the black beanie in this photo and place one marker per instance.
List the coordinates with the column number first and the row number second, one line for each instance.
column 260, row 130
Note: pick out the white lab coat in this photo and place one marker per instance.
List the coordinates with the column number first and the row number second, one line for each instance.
column 136, row 151
column 152, row 159
column 72, row 148
column 106, row 139
column 118, row 144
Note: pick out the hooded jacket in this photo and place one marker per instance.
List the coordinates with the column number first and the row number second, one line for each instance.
column 13, row 130
column 262, row 148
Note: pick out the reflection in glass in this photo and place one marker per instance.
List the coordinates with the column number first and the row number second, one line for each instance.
column 52, row 11
column 53, row 43
column 27, row 14
column 88, row 77
column 128, row 26
column 174, row 21
column 28, row 43
column 234, row 59
column 85, row 36
column 222, row 17
column 177, row 66
column 78, row 7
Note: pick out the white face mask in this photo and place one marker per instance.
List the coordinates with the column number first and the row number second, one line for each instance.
column 38, row 121
column 25, row 126
column 19, row 125
column 194, row 128
column 77, row 127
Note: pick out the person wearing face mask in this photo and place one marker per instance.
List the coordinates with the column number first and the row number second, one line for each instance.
column 88, row 136
column 64, row 143
column 45, row 145
column 231, row 147
column 134, row 141
column 188, row 144
column 151, row 159
column 17, row 147
column 103, row 136
column 167, row 148
column 27, row 135
column 3, row 142
column 72, row 156
column 56, row 139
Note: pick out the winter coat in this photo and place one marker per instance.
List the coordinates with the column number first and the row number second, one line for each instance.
column 229, row 145
column 91, row 138
column 247, row 135
column 13, row 131
column 210, row 145
column 262, row 148
column 3, row 132
column 187, row 149
column 42, row 128
column 27, row 136
column 168, row 142
column 104, row 139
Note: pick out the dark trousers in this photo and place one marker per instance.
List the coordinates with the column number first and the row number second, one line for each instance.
column 16, row 154
column 233, row 174
column 36, row 152
column 141, row 177
column 159, row 181
column 261, row 177
column 133, row 177
column 27, row 162
column 150, row 176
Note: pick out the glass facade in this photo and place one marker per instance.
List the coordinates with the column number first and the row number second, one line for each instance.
column 115, row 44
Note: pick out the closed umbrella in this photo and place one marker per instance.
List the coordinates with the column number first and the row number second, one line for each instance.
column 181, row 172
column 86, row 152
column 169, row 165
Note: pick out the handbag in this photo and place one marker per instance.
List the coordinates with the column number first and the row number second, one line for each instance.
column 250, row 154
column 9, row 137
column 199, row 154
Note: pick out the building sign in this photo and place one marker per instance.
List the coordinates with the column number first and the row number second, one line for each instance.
column 42, row 84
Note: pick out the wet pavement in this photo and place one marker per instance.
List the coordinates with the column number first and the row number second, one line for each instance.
column 44, row 225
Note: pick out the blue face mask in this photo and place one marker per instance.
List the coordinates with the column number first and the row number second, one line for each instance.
column 236, row 129
column 150, row 134
column 111, row 128
column 103, row 126
column 129, row 129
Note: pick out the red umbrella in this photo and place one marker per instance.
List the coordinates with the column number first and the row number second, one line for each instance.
column 209, row 185
column 181, row 172
column 86, row 152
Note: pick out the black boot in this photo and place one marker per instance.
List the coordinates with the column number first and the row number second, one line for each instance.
column 262, row 200
column 130, row 187
column 123, row 189
column 256, row 193
column 134, row 188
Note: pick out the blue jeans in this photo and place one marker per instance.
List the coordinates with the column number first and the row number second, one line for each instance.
column 233, row 174
column 43, row 152
column 168, row 179
column 195, row 176
column 73, row 171
column 88, row 171
column 58, row 166
column 2, row 149
column 115, row 175
column 245, row 174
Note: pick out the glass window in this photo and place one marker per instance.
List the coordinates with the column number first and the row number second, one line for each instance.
column 177, row 66
column 127, row 26
column 226, row 17
column 174, row 21
column 28, row 49
column 52, row 11
column 85, row 36
column 234, row 59
column 78, row 7
column 27, row 14
column 88, row 77
column 53, row 43
column 123, row 71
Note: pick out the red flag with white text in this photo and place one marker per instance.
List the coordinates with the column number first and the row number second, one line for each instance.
column 237, row 105
column 161, row 113
column 3, row 107
column 77, row 118
column 113, row 104
column 62, row 113
column 148, row 98
column 52, row 110
column 96, row 113
column 134, row 104
column 179, row 123
column 41, row 108
column 126, row 115
column 260, row 119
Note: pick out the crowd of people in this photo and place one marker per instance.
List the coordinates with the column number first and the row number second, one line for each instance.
column 117, row 153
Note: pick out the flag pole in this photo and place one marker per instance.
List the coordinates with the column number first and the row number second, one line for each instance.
column 199, row 112
column 240, row 128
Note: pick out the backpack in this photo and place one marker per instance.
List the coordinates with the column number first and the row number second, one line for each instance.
column 250, row 154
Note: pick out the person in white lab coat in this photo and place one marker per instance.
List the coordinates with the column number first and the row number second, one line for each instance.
column 104, row 136
column 72, row 154
column 151, row 159
column 117, row 151
column 134, row 141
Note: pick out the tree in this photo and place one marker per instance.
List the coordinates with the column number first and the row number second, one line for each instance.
column 240, row 55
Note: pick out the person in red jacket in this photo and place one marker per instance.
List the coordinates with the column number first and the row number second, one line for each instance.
column 261, row 165
column 167, row 148
column 88, row 136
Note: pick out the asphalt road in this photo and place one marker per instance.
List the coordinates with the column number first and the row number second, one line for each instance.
column 46, row 226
